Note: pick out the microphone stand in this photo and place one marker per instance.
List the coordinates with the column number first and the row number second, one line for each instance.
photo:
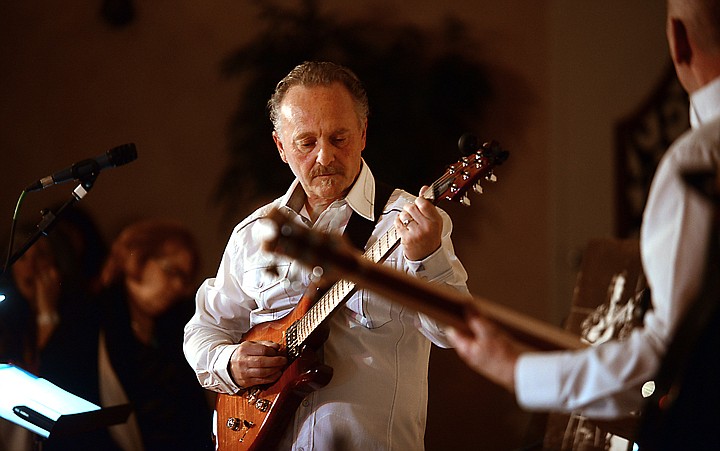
column 44, row 227
column 49, row 218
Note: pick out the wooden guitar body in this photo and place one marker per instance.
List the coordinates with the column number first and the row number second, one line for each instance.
column 256, row 419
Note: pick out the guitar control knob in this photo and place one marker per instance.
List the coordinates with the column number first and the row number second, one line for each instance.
column 263, row 405
column 234, row 423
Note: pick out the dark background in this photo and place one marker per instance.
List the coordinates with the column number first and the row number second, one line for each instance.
column 187, row 82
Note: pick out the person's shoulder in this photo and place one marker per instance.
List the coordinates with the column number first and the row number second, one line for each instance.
column 253, row 217
column 697, row 147
column 709, row 134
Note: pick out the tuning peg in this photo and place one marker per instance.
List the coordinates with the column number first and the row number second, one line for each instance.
column 478, row 188
column 465, row 201
column 491, row 177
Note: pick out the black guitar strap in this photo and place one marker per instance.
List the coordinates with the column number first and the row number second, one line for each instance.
column 359, row 229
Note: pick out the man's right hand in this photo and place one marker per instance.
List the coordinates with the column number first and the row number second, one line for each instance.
column 488, row 349
column 256, row 363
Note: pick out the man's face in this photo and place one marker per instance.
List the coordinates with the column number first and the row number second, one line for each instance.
column 321, row 138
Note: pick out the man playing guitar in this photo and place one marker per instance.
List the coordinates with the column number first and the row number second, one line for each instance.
column 371, row 392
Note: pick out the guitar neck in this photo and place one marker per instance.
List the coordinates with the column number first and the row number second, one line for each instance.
column 448, row 306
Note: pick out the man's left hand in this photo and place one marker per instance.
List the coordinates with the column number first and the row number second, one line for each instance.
column 420, row 228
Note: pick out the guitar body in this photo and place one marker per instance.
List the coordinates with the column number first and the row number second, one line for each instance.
column 256, row 419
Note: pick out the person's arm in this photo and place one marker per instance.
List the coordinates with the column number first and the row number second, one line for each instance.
column 427, row 246
column 605, row 380
column 47, row 293
column 488, row 350
column 213, row 342
column 602, row 381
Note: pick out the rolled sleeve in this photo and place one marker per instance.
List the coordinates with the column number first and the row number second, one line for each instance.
column 221, row 366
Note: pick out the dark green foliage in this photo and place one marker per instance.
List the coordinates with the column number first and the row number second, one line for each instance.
column 425, row 90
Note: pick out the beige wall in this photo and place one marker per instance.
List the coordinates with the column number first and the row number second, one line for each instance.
column 564, row 71
column 606, row 57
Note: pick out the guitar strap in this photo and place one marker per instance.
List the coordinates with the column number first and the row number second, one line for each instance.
column 359, row 229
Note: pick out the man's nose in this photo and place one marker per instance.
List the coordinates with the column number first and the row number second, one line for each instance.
column 326, row 153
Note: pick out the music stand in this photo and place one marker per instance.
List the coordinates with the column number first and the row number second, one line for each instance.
column 47, row 410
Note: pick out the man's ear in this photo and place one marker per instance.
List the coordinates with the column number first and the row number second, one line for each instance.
column 363, row 137
column 279, row 146
column 680, row 47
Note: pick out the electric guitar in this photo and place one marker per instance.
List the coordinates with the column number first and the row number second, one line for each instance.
column 257, row 418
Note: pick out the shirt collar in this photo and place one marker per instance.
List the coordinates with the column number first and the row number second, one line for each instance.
column 361, row 196
column 705, row 104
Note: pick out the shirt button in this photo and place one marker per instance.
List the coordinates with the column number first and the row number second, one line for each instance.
column 305, row 403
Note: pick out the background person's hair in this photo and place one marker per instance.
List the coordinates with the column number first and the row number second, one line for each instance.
column 143, row 241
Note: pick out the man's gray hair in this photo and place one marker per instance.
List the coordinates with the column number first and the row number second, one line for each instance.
column 319, row 73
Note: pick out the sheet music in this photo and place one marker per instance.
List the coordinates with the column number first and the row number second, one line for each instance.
column 35, row 395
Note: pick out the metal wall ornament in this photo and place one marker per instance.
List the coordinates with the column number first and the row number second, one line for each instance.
column 641, row 140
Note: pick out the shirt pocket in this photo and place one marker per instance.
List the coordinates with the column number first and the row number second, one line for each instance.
column 369, row 309
column 267, row 284
column 376, row 311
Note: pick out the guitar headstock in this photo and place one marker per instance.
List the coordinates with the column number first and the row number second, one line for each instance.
column 467, row 173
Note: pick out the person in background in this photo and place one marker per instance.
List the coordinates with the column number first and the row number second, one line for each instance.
column 55, row 276
column 127, row 346
column 605, row 381
column 49, row 283
column 146, row 282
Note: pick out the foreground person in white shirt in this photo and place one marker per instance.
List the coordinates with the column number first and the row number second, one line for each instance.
column 605, row 381
column 377, row 397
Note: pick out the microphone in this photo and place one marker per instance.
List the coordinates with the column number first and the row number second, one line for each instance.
column 90, row 167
